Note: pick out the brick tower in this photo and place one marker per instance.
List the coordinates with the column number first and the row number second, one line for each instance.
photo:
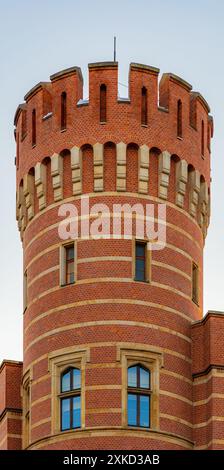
column 108, row 355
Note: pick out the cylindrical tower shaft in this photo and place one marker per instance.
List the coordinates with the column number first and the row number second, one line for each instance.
column 107, row 340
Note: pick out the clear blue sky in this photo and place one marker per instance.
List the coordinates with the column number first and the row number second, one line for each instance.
column 38, row 38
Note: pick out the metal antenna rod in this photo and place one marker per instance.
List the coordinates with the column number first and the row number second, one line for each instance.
column 115, row 48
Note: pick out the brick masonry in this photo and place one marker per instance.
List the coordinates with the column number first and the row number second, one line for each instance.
column 119, row 161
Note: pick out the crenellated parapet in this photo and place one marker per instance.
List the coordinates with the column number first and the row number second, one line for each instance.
column 161, row 97
column 167, row 116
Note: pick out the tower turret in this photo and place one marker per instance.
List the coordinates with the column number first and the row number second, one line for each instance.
column 107, row 322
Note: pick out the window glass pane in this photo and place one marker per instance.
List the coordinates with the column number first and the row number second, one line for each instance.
column 132, row 410
column 65, row 382
column 65, row 414
column 140, row 264
column 144, row 378
column 76, row 378
column 144, row 411
column 71, row 278
column 140, row 275
column 140, row 249
column 76, row 412
column 70, row 267
column 132, row 376
column 70, row 252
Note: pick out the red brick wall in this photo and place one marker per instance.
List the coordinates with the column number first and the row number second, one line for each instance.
column 208, row 374
column 10, row 405
column 163, row 308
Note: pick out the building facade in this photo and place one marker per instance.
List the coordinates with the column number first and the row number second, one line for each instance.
column 117, row 353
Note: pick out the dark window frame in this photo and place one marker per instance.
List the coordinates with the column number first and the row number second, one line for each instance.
column 143, row 243
column 139, row 392
column 68, row 262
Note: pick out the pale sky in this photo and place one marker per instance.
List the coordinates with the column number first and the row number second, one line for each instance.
column 39, row 38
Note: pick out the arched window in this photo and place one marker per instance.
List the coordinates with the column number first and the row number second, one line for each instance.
column 139, row 395
column 208, row 137
column 144, row 108
column 202, row 138
column 63, row 111
column 34, row 130
column 24, row 125
column 70, row 398
column 17, row 150
column 179, row 118
column 103, row 103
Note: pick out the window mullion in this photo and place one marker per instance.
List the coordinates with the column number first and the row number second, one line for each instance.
column 138, row 410
column 71, row 379
column 71, row 412
column 138, row 377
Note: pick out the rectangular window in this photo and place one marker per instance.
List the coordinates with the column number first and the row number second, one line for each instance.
column 69, row 257
column 140, row 261
column 195, row 283
column 67, row 264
